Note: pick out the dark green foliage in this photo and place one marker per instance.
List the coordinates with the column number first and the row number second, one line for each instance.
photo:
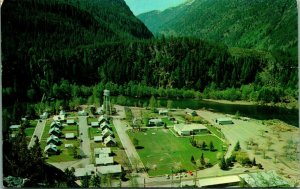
column 237, row 146
column 135, row 142
column 85, row 182
column 193, row 160
column 211, row 146
column 93, row 109
column 202, row 160
column 254, row 162
column 203, row 145
column 70, row 177
column 240, row 23
column 96, row 181
column 19, row 161
column 229, row 162
column 223, row 164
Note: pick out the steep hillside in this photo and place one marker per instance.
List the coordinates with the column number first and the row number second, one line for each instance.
column 34, row 29
column 259, row 24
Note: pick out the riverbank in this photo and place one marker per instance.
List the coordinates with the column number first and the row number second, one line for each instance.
column 290, row 105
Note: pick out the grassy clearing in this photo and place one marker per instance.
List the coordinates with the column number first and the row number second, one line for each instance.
column 119, row 143
column 66, row 154
column 162, row 150
column 94, row 131
column 167, row 121
column 91, row 119
column 46, row 130
column 214, row 130
column 33, row 123
column 29, row 131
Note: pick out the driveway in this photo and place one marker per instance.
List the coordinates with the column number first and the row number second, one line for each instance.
column 38, row 131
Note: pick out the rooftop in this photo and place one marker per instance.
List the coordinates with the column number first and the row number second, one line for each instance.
column 218, row 180
column 104, row 160
column 224, row 119
column 109, row 169
column 15, row 126
column 69, row 135
column 98, row 138
column 189, row 127
column 264, row 179
column 70, row 121
column 102, row 151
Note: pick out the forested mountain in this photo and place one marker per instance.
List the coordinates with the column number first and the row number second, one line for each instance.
column 34, row 29
column 260, row 24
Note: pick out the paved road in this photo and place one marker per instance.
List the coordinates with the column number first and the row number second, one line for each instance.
column 130, row 150
column 121, row 129
column 39, row 129
column 84, row 136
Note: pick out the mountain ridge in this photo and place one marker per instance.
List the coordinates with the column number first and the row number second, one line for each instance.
column 240, row 23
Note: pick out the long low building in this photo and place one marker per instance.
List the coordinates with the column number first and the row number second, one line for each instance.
column 110, row 169
column 190, row 129
column 104, row 161
column 264, row 179
column 224, row 121
column 225, row 181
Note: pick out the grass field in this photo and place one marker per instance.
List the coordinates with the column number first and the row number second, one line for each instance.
column 94, row 132
column 162, row 150
column 91, row 119
column 215, row 131
column 29, row 131
column 66, row 153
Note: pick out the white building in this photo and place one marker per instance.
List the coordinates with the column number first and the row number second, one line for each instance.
column 190, row 129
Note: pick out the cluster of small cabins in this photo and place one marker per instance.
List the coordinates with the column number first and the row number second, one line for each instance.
column 107, row 136
column 55, row 133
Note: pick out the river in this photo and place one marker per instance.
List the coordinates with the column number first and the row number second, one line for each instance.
column 260, row 112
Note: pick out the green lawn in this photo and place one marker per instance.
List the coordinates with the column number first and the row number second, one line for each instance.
column 94, row 132
column 215, row 131
column 33, row 123
column 46, row 130
column 91, row 119
column 66, row 154
column 29, row 131
column 162, row 150
column 167, row 121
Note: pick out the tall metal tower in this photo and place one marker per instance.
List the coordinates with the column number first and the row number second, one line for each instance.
column 106, row 102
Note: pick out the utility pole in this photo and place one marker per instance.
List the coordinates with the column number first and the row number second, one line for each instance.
column 172, row 178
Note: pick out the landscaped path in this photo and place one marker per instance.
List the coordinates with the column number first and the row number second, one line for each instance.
column 38, row 131
column 85, row 147
column 121, row 129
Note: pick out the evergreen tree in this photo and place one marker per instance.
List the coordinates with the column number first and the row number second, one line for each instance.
column 254, row 162
column 237, row 146
column 203, row 146
column 96, row 181
column 85, row 182
column 70, row 177
column 223, row 164
column 152, row 103
column 202, row 160
column 211, row 146
column 192, row 159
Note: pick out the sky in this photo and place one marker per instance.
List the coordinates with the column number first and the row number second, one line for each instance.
column 142, row 6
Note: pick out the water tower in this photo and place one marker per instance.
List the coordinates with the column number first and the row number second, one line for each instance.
column 106, row 102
